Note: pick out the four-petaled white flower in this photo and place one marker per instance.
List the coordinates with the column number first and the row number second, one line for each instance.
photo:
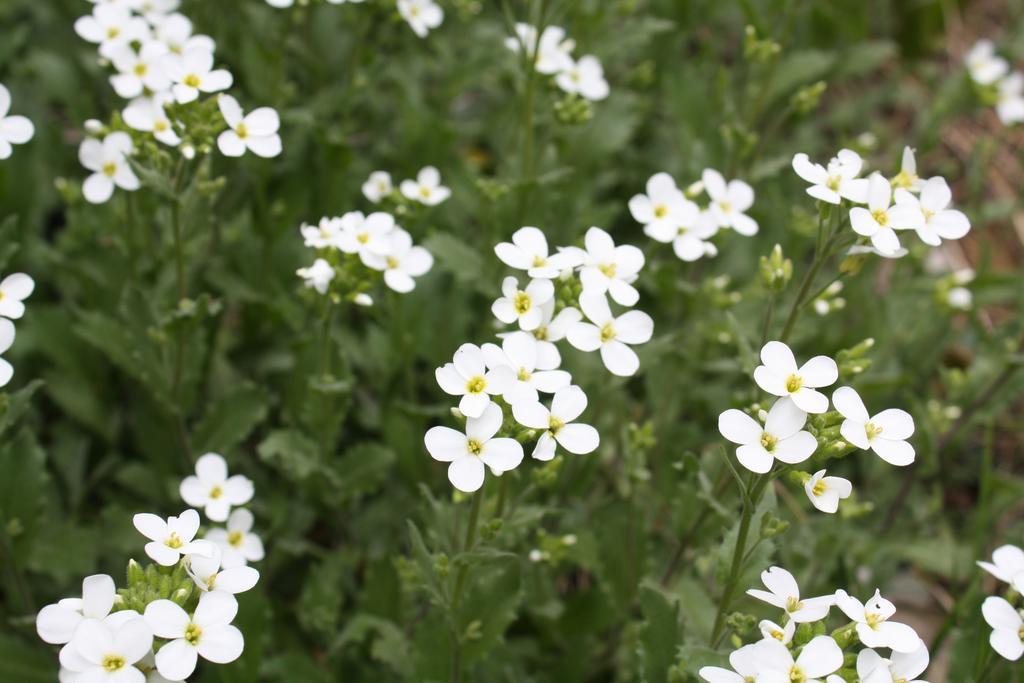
column 56, row 623
column 108, row 160
column 7, row 334
column 873, row 626
column 609, row 268
column 317, row 276
column 14, row 289
column 147, row 114
column 826, row 492
column 775, row 663
column 207, row 633
column 519, row 351
column 467, row 376
column 780, row 376
column 469, row 452
column 528, row 251
column 784, row 593
column 111, row 27
column 237, row 543
column 323, row 235
column 553, row 328
column 880, row 220
column 783, row 634
column 365, row 235
column 14, row 130
column 172, row 538
column 421, row 15
column 663, row 209
column 139, row 71
column 729, row 202
column 1007, row 565
column 209, row 575
column 192, row 72
column 743, row 664
column 175, row 31
column 612, row 335
column 427, row 188
column 255, row 131
column 213, row 490
column 523, row 305
column 907, row 178
column 107, row 650
column 401, row 263
column 1007, row 627
column 885, row 433
column 553, row 48
column 781, row 437
column 940, row 223
column 900, row 667
column 584, row 77
column 984, row 65
column 378, row 186
column 835, row 182
column 557, row 424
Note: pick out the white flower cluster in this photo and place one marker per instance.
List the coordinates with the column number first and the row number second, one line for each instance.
column 160, row 66
column 14, row 289
column 14, row 130
column 669, row 215
column 906, row 202
column 491, row 377
column 790, row 652
column 421, row 15
column 583, row 77
column 1003, row 613
column 156, row 629
column 375, row 240
column 782, row 436
column 991, row 74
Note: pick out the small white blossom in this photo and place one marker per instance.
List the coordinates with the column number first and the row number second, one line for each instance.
column 365, row 235
column 175, row 31
column 900, row 667
column 139, row 71
column 784, row 593
column 984, row 65
column 56, row 623
column 826, row 492
column 1007, row 627
column 213, row 490
column 819, row 658
column 106, row 651
column 421, row 15
column 255, row 131
column 147, row 114
column 7, row 334
column 781, row 437
column 468, row 453
column 108, row 160
column 172, row 538
column 523, row 305
column 743, row 663
column 553, row 50
column 612, row 335
column 323, row 235
column 663, row 209
column 112, row 27
column 553, row 328
column 873, row 626
column 528, row 251
column 585, row 78
column 1010, row 94
column 729, row 202
column 378, row 186
column 880, row 220
column 835, row 182
column 317, row 276
column 519, row 351
column 14, row 289
column 609, row 268
column 1007, row 565
column 237, row 542
column 402, row 261
column 207, row 633
column 885, row 433
column 783, row 634
column 780, row 376
column 210, row 576
column 192, row 72
column 467, row 376
column 907, row 178
column 960, row 298
column 939, row 221
column 14, row 130
column 427, row 188
column 557, row 423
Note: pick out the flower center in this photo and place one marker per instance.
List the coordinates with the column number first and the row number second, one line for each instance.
column 160, row 126
column 928, row 213
column 872, row 430
column 476, row 385
column 522, row 303
column 777, row 634
column 474, row 447
column 660, row 211
column 113, row 32
column 793, row 604
column 608, row 269
column 874, row 620
column 211, row 580
column 523, row 375
column 833, row 183
column 726, row 207
column 607, row 332
column 541, row 333
column 235, row 538
column 109, row 169
column 216, row 492
column 192, row 634
column 904, row 179
column 392, row 262
column 174, row 541
column 539, row 262
column 796, row 675
column 242, row 131
column 793, row 383
column 140, row 69
column 113, row 663
column 555, row 424
column 425, row 192
column 768, row 441
column 819, row 487
column 881, row 217
column 191, row 81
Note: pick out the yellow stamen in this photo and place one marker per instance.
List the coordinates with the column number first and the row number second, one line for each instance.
column 476, row 385
column 192, row 634
column 768, row 441
column 522, row 302
column 474, row 446
column 113, row 663
column 793, row 383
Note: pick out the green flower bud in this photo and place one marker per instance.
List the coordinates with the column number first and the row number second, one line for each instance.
column 807, row 99
column 573, row 110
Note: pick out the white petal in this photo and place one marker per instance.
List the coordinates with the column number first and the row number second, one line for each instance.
column 755, row 458
column 166, row 619
column 820, row 371
column 738, row 427
column 151, row 526
column 785, row 419
column 445, row 444
column 820, row 657
column 896, row 424
column 176, row 660
column 466, row 474
column 898, row 453
column 221, row 644
column 578, row 438
column 485, row 426
column 810, row 401
column 796, row 448
column 778, row 357
column 532, row 415
column 502, row 455
column 849, row 404
column 619, row 359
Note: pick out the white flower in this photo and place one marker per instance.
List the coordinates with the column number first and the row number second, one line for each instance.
column 584, row 78
column 743, row 663
column 780, row 376
column 111, row 27
column 552, row 328
column 238, row 544
column 469, row 452
column 784, row 593
column 609, row 268
column 885, row 433
column 192, row 72
column 256, row 131
column 781, row 437
column 139, row 71
column 826, row 492
column 1007, row 626
column 317, row 276
column 365, row 235
column 175, row 31
column 7, row 334
column 147, row 665
column 378, row 186
column 873, row 625
column 209, row 576
column 818, row 658
column 528, row 251
column 147, row 114
column 730, row 202
column 1010, row 94
column 663, row 209
column 106, row 651
column 401, row 262
column 421, row 15
column 467, row 376
column 56, row 623
column 907, row 178
column 783, row 634
column 171, row 538
column 519, row 352
column 213, row 490
column 14, row 130
column 523, row 305
column 899, row 668
column 881, row 218
column 427, row 188
column 1007, row 565
column 324, row 235
column 109, row 162
column 208, row 633
column 939, row 222
column 557, row 424
column 836, row 182
column 613, row 336
column 14, row 289
column 983, row 65
column 553, row 50
column 959, row 298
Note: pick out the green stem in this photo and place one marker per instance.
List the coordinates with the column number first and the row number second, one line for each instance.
column 526, row 171
column 822, row 252
column 460, row 585
column 324, row 370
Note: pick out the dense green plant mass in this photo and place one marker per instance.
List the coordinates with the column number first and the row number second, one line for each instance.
column 169, row 322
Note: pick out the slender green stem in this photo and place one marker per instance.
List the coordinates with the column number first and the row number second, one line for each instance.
column 822, row 252
column 460, row 585
column 324, row 370
column 526, row 171
column 769, row 315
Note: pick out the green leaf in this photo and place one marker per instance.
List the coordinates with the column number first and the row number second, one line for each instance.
column 661, row 634
column 231, row 419
column 13, row 406
column 22, row 489
column 21, row 663
column 455, row 256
